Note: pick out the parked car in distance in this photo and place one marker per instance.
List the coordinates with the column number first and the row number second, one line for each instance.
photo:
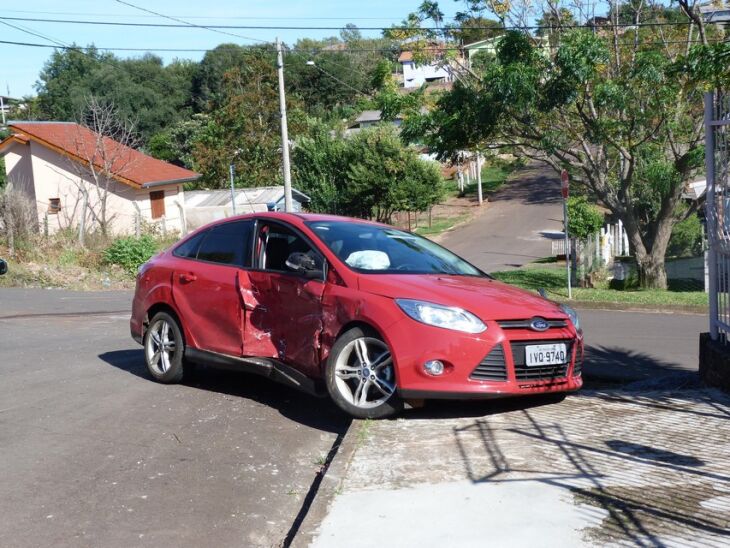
column 366, row 313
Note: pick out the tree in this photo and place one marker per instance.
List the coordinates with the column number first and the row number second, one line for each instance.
column 371, row 174
column 616, row 113
column 471, row 28
column 243, row 127
column 584, row 218
column 105, row 144
column 143, row 89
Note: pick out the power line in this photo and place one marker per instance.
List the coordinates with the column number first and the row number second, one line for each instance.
column 186, row 23
column 292, row 51
column 209, row 17
column 218, row 28
column 33, row 33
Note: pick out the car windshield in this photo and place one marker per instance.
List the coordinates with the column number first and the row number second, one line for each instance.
column 370, row 248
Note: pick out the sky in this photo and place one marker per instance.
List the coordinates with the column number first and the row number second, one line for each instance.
column 21, row 64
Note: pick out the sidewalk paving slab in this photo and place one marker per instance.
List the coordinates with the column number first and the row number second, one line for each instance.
column 601, row 468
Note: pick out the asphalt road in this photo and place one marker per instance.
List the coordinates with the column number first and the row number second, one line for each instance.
column 518, row 225
column 96, row 454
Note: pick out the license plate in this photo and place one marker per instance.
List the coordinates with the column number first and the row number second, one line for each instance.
column 545, row 354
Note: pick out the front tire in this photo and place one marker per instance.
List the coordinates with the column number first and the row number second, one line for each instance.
column 164, row 348
column 360, row 376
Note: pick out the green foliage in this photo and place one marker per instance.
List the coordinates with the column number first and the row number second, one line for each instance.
column 130, row 252
column 584, row 219
column 243, row 127
column 142, row 89
column 371, row 174
column 2, row 173
column 686, row 240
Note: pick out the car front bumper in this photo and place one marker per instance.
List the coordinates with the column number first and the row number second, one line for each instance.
column 498, row 353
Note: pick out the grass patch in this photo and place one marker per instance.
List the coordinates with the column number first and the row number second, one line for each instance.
column 553, row 281
column 441, row 225
column 58, row 261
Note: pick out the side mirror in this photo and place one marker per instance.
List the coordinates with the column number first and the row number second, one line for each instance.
column 303, row 264
column 3, row 267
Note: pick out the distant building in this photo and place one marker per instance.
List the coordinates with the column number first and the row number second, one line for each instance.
column 48, row 162
column 415, row 75
column 204, row 206
column 370, row 118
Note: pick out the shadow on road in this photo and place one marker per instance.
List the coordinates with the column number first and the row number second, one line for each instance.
column 618, row 366
column 319, row 413
column 536, row 189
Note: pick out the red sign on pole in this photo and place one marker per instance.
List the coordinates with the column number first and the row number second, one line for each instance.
column 564, row 184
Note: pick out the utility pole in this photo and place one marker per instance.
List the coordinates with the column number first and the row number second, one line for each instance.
column 2, row 108
column 480, row 195
column 233, row 192
column 284, row 129
column 565, row 191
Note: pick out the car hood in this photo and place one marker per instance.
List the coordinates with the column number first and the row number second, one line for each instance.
column 487, row 298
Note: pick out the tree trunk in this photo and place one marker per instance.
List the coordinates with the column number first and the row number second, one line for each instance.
column 652, row 274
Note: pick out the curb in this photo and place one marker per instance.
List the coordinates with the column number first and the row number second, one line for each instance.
column 330, row 487
column 638, row 307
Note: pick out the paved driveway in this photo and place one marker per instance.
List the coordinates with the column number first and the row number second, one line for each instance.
column 518, row 224
column 96, row 454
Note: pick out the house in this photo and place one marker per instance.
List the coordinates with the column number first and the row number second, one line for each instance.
column 370, row 118
column 489, row 47
column 415, row 75
column 52, row 164
column 204, row 206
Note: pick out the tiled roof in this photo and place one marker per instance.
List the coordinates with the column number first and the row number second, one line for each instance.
column 405, row 57
column 129, row 166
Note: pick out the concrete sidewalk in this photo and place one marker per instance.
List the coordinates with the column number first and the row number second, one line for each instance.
column 649, row 468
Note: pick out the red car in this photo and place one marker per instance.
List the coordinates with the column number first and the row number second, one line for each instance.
column 370, row 314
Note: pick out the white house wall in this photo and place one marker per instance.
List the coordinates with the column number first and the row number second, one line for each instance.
column 55, row 176
column 415, row 76
column 19, row 170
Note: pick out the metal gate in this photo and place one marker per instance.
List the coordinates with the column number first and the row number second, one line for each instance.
column 717, row 163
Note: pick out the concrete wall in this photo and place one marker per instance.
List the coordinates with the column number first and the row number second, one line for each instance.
column 55, row 176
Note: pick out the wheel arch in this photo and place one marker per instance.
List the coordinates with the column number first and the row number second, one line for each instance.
column 163, row 307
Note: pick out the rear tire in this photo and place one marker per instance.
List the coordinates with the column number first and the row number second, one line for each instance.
column 360, row 376
column 164, row 349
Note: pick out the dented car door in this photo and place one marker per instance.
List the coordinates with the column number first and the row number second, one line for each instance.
column 283, row 308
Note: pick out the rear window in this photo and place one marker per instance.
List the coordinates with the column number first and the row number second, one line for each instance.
column 228, row 244
column 189, row 248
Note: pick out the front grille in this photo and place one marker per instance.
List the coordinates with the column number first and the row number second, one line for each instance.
column 548, row 372
column 525, row 324
column 491, row 368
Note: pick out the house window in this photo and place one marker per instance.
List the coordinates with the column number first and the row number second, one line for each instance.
column 54, row 206
column 157, row 199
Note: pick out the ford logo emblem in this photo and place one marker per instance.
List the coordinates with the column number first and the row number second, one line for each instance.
column 539, row 324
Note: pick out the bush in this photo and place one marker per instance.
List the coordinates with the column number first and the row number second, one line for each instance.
column 129, row 252
column 584, row 219
column 18, row 218
column 686, row 239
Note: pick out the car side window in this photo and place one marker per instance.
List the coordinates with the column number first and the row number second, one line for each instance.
column 227, row 243
column 274, row 245
column 189, row 248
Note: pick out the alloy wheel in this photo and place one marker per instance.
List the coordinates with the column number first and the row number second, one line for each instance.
column 364, row 373
column 161, row 346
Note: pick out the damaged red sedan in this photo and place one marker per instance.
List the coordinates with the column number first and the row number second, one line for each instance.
column 371, row 315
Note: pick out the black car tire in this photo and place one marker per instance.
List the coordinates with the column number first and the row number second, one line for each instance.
column 173, row 371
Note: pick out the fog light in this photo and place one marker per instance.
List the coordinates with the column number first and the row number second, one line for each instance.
column 433, row 367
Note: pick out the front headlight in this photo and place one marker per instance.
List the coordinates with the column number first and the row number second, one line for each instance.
column 572, row 314
column 447, row 317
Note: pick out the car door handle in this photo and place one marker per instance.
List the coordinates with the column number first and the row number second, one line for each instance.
column 187, row 278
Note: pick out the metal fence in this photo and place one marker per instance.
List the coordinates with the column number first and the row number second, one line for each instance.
column 717, row 163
